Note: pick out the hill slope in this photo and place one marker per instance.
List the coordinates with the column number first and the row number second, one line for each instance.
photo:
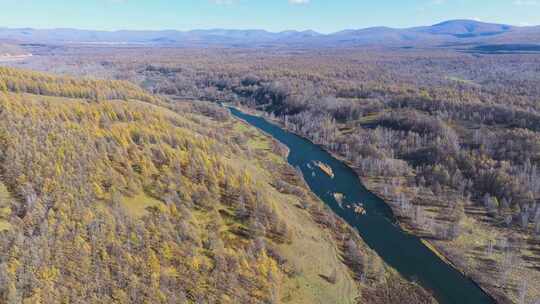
column 465, row 28
column 124, row 201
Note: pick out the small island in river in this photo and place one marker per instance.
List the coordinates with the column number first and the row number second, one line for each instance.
column 325, row 168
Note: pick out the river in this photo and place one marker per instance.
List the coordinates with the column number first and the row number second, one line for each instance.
column 401, row 250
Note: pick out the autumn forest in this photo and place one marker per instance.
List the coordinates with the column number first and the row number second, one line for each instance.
column 125, row 179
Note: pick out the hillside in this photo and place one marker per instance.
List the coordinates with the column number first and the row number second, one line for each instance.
column 111, row 195
column 466, row 28
column 450, row 140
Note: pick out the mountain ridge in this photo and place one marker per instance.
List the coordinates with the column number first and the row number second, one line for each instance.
column 450, row 31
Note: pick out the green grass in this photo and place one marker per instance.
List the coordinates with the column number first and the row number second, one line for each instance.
column 5, row 210
column 256, row 140
column 314, row 253
column 312, row 250
column 369, row 119
column 241, row 127
column 462, row 80
column 4, row 194
column 258, row 143
column 137, row 206
column 4, row 225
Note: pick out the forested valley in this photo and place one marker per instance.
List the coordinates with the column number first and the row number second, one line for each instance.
column 110, row 194
column 450, row 140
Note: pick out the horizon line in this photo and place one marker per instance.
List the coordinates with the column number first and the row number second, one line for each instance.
column 250, row 29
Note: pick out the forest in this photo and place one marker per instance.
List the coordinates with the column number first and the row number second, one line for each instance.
column 110, row 194
column 449, row 139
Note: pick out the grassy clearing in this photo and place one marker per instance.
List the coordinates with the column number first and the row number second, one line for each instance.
column 4, row 194
column 4, row 225
column 462, row 80
column 258, row 144
column 314, row 254
column 5, row 210
column 33, row 97
column 137, row 206
column 368, row 119
column 256, row 140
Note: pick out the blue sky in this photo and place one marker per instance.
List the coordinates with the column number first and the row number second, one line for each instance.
column 274, row 15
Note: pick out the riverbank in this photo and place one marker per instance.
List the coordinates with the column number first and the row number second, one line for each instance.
column 392, row 234
column 503, row 280
column 441, row 248
column 377, row 282
column 458, row 252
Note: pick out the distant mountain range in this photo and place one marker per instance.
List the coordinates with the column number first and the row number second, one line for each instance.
column 454, row 32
